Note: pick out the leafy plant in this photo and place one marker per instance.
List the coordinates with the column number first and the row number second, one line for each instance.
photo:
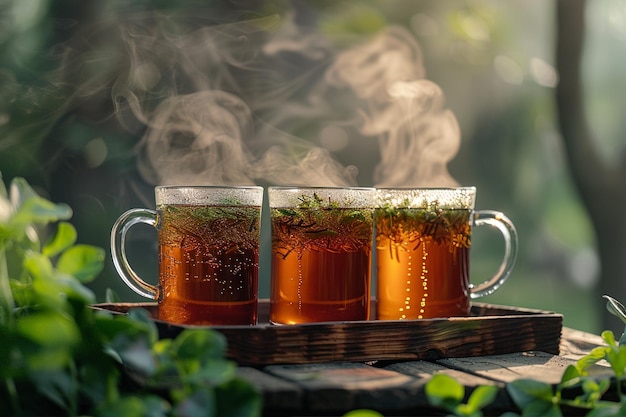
column 540, row 398
column 576, row 389
column 361, row 412
column 61, row 357
column 617, row 309
column 443, row 391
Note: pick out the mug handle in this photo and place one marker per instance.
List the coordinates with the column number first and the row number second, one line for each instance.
column 506, row 227
column 118, row 250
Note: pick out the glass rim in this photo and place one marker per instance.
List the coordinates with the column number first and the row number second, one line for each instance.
column 208, row 187
column 198, row 195
column 463, row 188
column 427, row 197
column 308, row 188
column 344, row 197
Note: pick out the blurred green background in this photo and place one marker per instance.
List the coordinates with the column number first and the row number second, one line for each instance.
column 66, row 129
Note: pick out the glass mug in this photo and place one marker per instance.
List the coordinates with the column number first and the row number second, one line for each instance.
column 423, row 238
column 321, row 253
column 208, row 240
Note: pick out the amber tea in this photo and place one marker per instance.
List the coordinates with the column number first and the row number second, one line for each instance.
column 423, row 263
column 321, row 255
column 423, row 239
column 208, row 264
column 208, row 239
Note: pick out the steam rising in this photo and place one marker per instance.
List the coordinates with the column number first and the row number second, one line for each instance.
column 417, row 135
column 197, row 138
column 248, row 102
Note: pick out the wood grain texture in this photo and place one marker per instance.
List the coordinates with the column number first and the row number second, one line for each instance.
column 346, row 386
column 490, row 330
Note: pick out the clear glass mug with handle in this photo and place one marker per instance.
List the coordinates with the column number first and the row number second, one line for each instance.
column 208, row 240
column 423, row 239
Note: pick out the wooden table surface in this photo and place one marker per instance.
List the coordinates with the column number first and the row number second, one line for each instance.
column 328, row 369
column 397, row 388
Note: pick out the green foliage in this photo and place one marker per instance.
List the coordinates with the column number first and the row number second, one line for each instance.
column 617, row 309
column 443, row 391
column 363, row 413
column 61, row 357
column 577, row 388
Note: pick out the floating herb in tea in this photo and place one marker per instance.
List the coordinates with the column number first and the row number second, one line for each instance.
column 319, row 224
column 404, row 228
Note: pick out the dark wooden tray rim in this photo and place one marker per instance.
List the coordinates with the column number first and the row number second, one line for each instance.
column 490, row 330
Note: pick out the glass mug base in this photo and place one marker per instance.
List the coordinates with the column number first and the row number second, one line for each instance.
column 208, row 313
column 430, row 309
column 286, row 311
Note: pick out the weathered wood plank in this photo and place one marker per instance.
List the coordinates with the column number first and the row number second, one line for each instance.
column 278, row 393
column 510, row 367
column 575, row 344
column 341, row 387
column 425, row 370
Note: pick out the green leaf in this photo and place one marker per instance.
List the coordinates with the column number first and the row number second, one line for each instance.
column 135, row 353
column 48, row 358
column 444, row 391
column 213, row 373
column 199, row 345
column 7, row 299
column 31, row 208
column 239, row 398
column 84, row 262
column 21, row 191
column 609, row 338
column 596, row 355
column 200, row 403
column 133, row 407
column 481, row 397
column 362, row 413
column 615, row 307
column 63, row 239
column 611, row 410
column 142, row 316
column 57, row 386
column 41, row 211
column 541, row 408
column 527, row 391
column 49, row 285
column 74, row 290
column 593, row 390
column 570, row 375
column 617, row 358
column 108, row 326
column 99, row 380
column 3, row 189
column 39, row 266
column 131, row 340
column 156, row 406
column 49, row 328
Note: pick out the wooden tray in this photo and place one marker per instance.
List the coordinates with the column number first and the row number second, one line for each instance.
column 490, row 330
